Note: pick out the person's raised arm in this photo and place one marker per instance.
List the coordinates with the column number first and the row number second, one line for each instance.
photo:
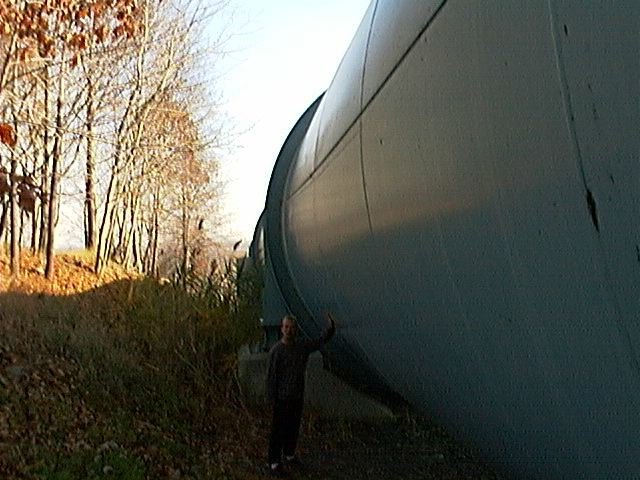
column 326, row 335
column 332, row 326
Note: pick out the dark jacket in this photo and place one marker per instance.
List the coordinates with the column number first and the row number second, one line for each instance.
column 287, row 366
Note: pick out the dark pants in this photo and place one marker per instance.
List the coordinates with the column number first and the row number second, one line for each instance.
column 284, row 429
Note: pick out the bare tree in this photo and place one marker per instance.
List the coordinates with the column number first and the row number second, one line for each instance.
column 113, row 83
column 56, row 32
column 155, row 75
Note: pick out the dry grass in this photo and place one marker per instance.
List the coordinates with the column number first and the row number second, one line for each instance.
column 118, row 376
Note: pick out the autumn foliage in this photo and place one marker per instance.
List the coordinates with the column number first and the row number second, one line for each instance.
column 7, row 134
column 50, row 28
column 115, row 376
column 103, row 107
column 44, row 29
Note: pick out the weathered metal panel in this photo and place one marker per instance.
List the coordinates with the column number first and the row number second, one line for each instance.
column 342, row 102
column 492, row 234
column 280, row 294
column 327, row 230
column 304, row 161
column 395, row 28
column 599, row 56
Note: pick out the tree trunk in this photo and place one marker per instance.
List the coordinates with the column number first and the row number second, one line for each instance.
column 99, row 262
column 154, row 252
column 185, row 239
column 44, row 207
column 46, row 159
column 3, row 218
column 89, row 201
column 136, row 248
column 121, row 230
column 16, row 226
column 34, row 231
column 13, row 222
column 103, row 248
column 21, row 230
column 151, row 251
column 53, row 196
column 129, row 234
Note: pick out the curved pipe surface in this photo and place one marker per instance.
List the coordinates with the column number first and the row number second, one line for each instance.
column 465, row 198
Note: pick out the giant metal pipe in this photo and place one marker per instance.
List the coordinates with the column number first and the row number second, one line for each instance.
column 465, row 199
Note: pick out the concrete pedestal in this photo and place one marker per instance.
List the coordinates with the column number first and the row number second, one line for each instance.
column 325, row 392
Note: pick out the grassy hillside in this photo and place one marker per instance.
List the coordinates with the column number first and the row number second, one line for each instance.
column 121, row 377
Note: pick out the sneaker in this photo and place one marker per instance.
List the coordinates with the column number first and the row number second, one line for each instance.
column 276, row 470
column 293, row 462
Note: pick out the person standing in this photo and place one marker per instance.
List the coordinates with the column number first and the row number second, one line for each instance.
column 285, row 389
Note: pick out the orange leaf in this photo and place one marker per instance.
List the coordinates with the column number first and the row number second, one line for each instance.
column 27, row 53
column 83, row 12
column 101, row 33
column 79, row 41
column 98, row 8
column 7, row 134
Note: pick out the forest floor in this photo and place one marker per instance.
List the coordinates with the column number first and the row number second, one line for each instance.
column 83, row 395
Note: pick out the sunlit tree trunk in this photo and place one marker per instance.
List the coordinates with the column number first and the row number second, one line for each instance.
column 34, row 231
column 151, row 250
column 3, row 218
column 128, row 244
column 100, row 248
column 156, row 234
column 13, row 226
column 55, row 174
column 46, row 163
column 21, row 232
column 89, row 200
column 185, row 235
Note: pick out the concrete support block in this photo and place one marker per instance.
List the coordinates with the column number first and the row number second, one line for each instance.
column 325, row 393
